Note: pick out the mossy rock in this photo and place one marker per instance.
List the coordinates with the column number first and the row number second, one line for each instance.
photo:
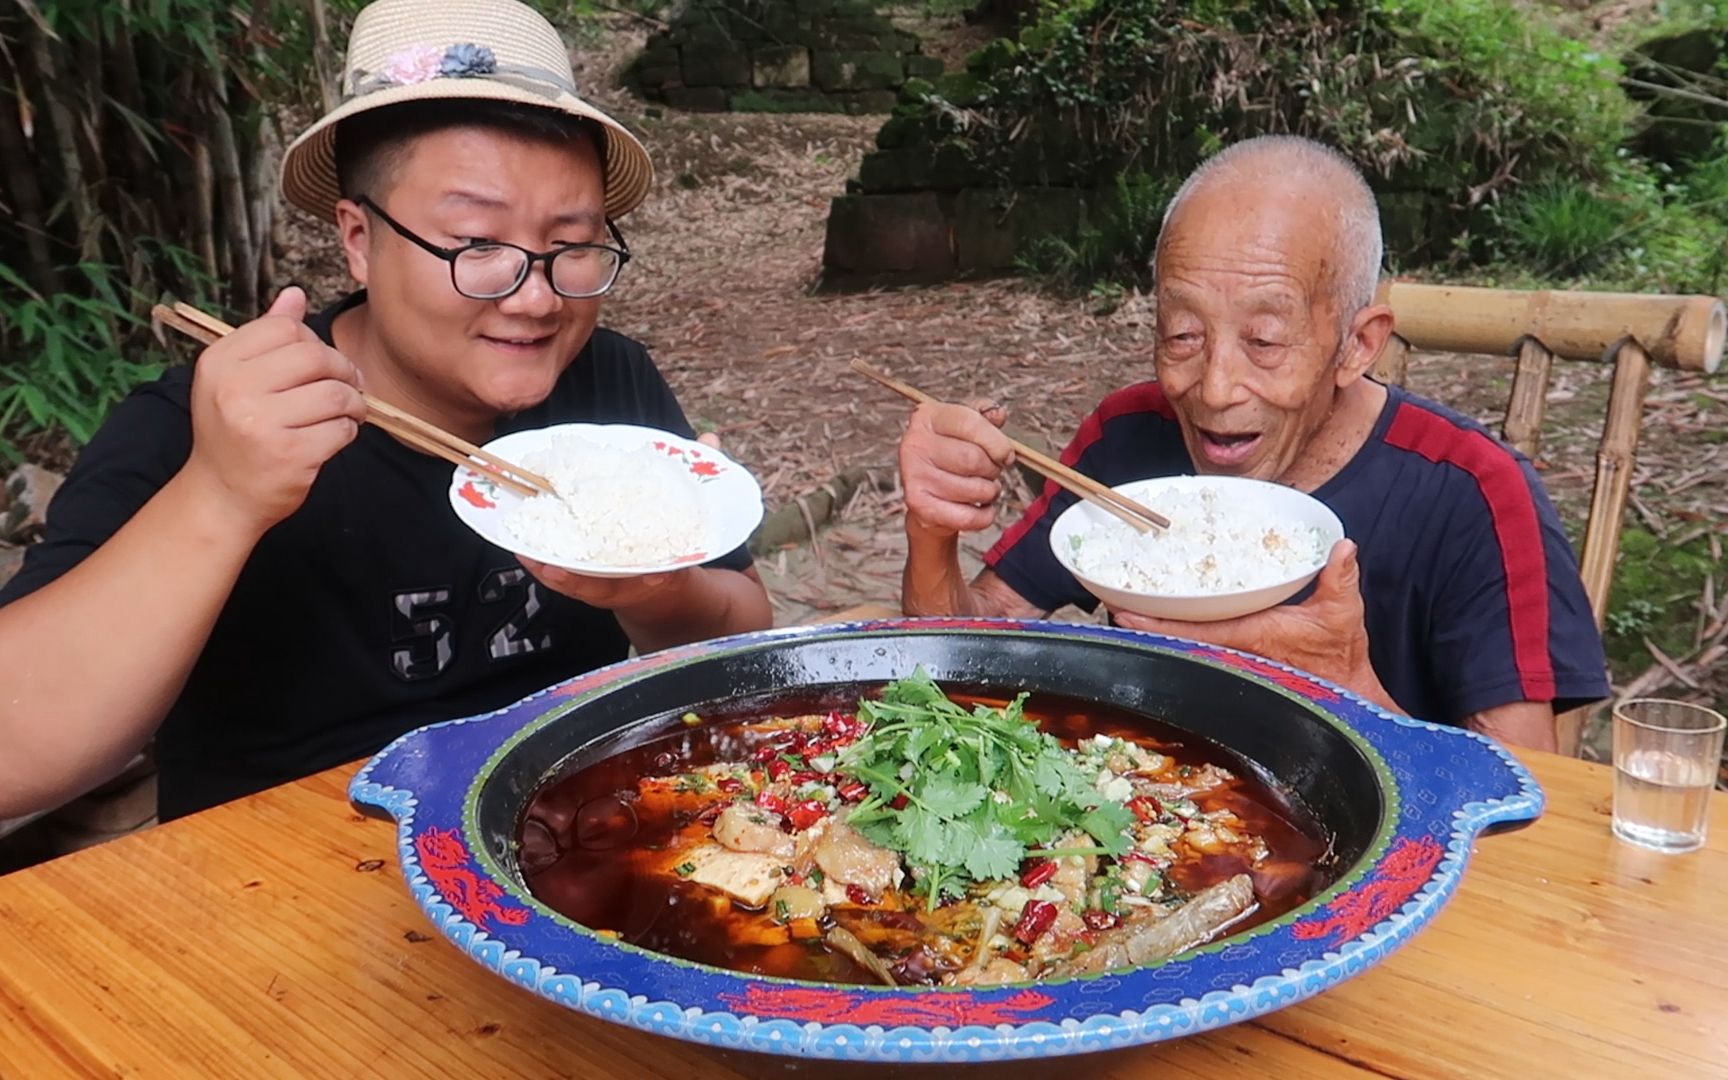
column 962, row 88
column 991, row 227
column 905, row 169
column 996, row 56
column 864, row 102
column 889, row 234
column 919, row 66
column 696, row 98
column 902, row 131
column 716, row 67
column 857, row 71
column 780, row 66
column 956, row 166
column 913, row 92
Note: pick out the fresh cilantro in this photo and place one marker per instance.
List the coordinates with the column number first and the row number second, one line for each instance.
column 995, row 854
column 978, row 790
column 951, row 798
column 1106, row 823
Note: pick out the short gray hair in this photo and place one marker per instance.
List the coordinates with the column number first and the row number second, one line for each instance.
column 1269, row 158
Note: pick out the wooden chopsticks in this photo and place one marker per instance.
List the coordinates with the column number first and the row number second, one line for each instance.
column 1092, row 491
column 207, row 329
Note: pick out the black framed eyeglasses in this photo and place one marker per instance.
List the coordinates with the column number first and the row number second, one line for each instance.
column 493, row 269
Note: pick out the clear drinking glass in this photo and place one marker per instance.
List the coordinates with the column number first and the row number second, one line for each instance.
column 1666, row 755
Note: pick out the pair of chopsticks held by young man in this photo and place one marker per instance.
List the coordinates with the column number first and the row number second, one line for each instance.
column 242, row 568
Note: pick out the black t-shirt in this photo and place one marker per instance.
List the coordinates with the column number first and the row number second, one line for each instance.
column 372, row 610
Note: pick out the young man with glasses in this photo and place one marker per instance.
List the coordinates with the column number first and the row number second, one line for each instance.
column 240, row 566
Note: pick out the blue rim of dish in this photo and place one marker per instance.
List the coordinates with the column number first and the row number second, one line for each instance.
column 1444, row 786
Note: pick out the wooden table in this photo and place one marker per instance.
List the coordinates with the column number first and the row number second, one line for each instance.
column 275, row 937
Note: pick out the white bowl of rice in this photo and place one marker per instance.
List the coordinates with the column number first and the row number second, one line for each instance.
column 630, row 500
column 1234, row 547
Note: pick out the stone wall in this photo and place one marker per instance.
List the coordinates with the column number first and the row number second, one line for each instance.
column 780, row 56
column 923, row 208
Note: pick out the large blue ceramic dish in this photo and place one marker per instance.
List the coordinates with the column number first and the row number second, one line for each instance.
column 1403, row 799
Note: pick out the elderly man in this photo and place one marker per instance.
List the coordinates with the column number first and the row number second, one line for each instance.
column 236, row 562
column 1455, row 598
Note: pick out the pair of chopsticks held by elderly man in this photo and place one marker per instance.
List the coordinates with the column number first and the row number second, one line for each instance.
column 241, row 569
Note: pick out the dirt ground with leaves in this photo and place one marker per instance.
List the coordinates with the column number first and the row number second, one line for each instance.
column 725, row 289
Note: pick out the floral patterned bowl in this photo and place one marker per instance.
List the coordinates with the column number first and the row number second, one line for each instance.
column 729, row 498
column 1403, row 801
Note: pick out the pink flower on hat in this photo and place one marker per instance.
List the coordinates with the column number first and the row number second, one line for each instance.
column 416, row 64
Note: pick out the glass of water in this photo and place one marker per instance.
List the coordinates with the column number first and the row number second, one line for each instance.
column 1666, row 757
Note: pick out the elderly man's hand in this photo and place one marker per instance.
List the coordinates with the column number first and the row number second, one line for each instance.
column 950, row 459
column 1325, row 634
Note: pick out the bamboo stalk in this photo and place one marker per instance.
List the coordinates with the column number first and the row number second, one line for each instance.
column 204, row 205
column 1569, row 729
column 65, row 134
column 89, row 60
column 1615, row 458
column 1529, row 400
column 230, row 187
column 259, row 198
column 1392, row 366
column 230, row 182
column 327, row 89
column 18, row 159
column 1614, row 461
column 1677, row 331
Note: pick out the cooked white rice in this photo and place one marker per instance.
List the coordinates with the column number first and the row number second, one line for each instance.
column 613, row 507
column 1214, row 545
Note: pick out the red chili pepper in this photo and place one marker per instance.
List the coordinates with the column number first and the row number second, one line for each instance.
column 779, row 769
column 1035, row 918
column 853, row 790
column 805, row 777
column 771, row 802
column 1137, row 856
column 708, row 815
column 729, row 784
column 1099, row 920
column 844, row 729
column 1035, row 872
column 859, row 895
column 899, row 801
column 1146, row 808
column 806, row 814
column 765, row 753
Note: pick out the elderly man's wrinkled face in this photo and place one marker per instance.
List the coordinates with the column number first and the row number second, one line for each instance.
column 1247, row 331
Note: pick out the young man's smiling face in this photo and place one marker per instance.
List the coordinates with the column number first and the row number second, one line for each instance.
column 1248, row 332
column 465, row 357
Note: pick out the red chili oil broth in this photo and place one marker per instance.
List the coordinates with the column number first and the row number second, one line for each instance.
column 586, row 844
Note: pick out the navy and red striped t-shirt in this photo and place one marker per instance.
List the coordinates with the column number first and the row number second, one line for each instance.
column 1471, row 589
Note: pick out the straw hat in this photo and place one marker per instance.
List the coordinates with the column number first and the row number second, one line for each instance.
column 419, row 50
